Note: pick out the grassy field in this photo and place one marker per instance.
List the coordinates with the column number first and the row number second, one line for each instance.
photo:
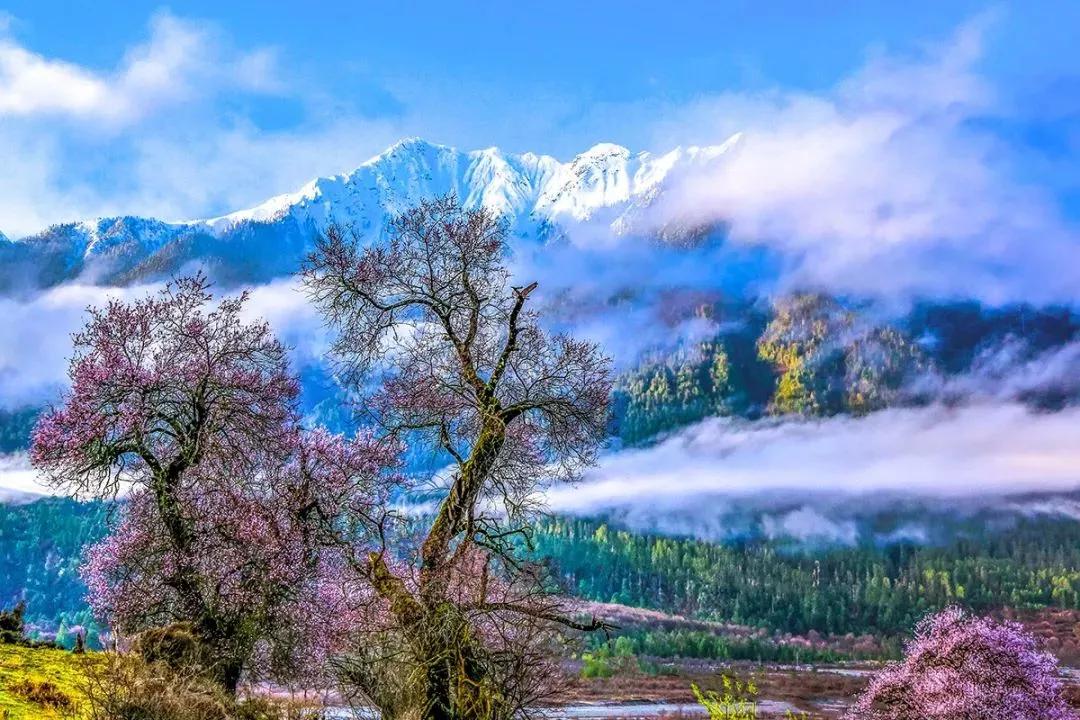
column 40, row 683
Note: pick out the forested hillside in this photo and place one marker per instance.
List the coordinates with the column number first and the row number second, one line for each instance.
column 805, row 354
column 41, row 545
column 15, row 427
column 874, row 590
column 812, row 355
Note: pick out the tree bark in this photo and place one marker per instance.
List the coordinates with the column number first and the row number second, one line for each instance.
column 226, row 664
column 453, row 681
column 454, row 510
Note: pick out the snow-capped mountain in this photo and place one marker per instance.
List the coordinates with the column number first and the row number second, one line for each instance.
column 542, row 196
column 530, row 188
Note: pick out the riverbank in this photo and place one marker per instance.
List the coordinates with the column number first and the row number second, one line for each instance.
column 821, row 692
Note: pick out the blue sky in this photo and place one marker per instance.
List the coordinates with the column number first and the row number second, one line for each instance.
column 562, row 59
column 243, row 99
column 885, row 145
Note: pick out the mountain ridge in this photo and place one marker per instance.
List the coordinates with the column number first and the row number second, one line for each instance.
column 480, row 177
column 539, row 194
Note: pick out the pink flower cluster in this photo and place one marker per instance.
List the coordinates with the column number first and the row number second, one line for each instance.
column 236, row 515
column 264, row 549
column 960, row 667
column 158, row 377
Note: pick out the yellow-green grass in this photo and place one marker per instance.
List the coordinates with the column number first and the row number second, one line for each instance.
column 59, row 667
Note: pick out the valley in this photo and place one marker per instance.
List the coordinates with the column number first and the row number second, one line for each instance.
column 574, row 361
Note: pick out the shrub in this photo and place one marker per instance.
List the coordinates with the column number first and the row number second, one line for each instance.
column 259, row 708
column 174, row 645
column 43, row 693
column 960, row 667
column 608, row 660
column 129, row 687
column 736, row 701
column 12, row 627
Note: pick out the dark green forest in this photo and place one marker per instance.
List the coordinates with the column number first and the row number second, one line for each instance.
column 811, row 355
column 878, row 590
column 41, row 546
column 15, row 427
column 873, row 590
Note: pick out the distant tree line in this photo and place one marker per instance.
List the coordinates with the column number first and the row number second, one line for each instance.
column 862, row 590
column 41, row 548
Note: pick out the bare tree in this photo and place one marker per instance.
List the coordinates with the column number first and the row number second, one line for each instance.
column 468, row 370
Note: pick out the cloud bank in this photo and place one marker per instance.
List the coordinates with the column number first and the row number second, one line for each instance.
column 802, row 473
column 890, row 184
column 35, row 337
column 894, row 182
column 18, row 481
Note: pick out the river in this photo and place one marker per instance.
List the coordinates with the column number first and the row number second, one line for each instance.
column 599, row 711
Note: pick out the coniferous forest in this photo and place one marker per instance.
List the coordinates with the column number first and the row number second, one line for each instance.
column 874, row 590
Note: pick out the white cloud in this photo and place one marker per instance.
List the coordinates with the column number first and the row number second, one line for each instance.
column 810, row 525
column 1010, row 371
column 31, row 84
column 178, row 56
column 35, row 337
column 18, row 481
column 296, row 321
column 887, row 184
column 978, row 450
column 166, row 133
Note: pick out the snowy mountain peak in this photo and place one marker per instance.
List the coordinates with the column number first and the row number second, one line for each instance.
column 539, row 194
column 605, row 176
column 603, row 151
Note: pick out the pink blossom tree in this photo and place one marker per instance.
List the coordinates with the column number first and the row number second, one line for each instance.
column 225, row 524
column 469, row 371
column 960, row 667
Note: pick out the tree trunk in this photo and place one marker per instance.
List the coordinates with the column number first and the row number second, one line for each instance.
column 456, row 688
column 453, row 689
column 438, row 701
column 218, row 639
column 184, row 580
column 227, row 674
column 454, row 510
